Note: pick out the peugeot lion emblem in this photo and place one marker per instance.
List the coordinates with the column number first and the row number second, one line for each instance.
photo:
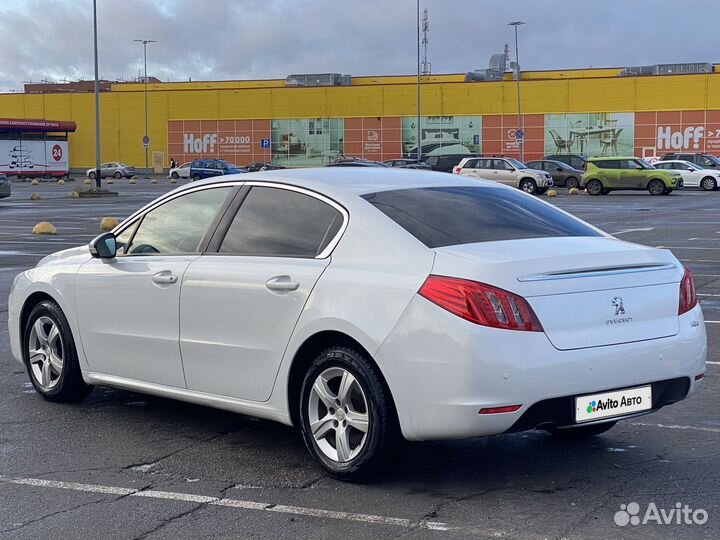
column 617, row 303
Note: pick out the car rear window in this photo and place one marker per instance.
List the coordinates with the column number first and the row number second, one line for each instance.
column 447, row 216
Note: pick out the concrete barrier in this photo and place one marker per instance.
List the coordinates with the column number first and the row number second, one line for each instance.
column 74, row 195
column 573, row 191
column 552, row 193
column 35, row 196
column 44, row 228
column 108, row 223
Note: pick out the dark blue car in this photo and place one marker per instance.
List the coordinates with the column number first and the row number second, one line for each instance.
column 205, row 168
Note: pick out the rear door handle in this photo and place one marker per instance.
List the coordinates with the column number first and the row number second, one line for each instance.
column 281, row 283
column 164, row 278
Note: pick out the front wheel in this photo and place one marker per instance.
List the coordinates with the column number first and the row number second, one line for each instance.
column 346, row 414
column 708, row 183
column 656, row 187
column 528, row 186
column 50, row 355
column 581, row 432
column 594, row 187
column 117, row 175
column 91, row 176
column 572, row 182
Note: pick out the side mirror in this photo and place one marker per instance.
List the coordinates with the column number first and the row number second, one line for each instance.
column 639, row 167
column 559, row 169
column 104, row 246
column 690, row 169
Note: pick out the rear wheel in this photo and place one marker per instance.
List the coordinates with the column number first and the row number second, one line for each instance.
column 196, row 177
column 528, row 186
column 346, row 414
column 50, row 355
column 656, row 187
column 708, row 183
column 581, row 432
column 174, row 175
column 572, row 182
column 91, row 175
column 594, row 187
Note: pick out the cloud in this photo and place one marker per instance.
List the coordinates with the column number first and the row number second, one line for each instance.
column 241, row 39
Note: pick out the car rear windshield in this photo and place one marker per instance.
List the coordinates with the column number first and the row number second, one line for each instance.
column 447, row 216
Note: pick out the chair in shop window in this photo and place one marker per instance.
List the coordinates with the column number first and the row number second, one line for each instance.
column 610, row 144
column 561, row 144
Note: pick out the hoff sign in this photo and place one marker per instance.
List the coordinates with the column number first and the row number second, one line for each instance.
column 687, row 139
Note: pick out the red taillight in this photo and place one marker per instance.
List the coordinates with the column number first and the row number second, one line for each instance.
column 457, row 170
column 499, row 410
column 480, row 303
column 688, row 298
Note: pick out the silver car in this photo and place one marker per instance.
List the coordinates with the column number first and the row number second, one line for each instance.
column 114, row 169
column 4, row 186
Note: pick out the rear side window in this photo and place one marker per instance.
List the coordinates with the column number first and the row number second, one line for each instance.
column 607, row 164
column 275, row 222
column 447, row 216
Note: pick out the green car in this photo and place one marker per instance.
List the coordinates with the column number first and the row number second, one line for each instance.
column 606, row 174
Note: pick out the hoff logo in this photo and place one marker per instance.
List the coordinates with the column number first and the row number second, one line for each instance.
column 679, row 140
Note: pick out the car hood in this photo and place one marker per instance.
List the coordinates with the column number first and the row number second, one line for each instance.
column 75, row 255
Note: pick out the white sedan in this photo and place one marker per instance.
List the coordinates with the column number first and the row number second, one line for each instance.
column 693, row 175
column 182, row 171
column 363, row 305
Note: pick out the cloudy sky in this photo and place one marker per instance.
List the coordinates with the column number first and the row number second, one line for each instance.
column 241, row 39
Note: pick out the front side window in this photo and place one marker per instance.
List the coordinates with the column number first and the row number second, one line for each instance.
column 501, row 164
column 179, row 225
column 276, row 222
column 447, row 216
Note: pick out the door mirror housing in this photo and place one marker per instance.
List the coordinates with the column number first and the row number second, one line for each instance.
column 559, row 169
column 104, row 246
column 690, row 169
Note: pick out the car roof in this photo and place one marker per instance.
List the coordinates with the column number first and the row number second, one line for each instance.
column 342, row 183
column 610, row 158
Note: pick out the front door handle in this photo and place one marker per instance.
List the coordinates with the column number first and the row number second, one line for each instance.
column 164, row 278
column 281, row 283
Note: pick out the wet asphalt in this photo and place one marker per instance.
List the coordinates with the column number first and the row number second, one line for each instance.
column 524, row 485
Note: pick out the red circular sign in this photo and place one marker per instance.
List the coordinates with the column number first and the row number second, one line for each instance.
column 57, row 152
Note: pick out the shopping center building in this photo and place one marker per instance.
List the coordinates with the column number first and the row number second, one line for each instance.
column 308, row 120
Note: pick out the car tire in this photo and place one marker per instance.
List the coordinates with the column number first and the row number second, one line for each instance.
column 528, row 186
column 572, row 182
column 708, row 183
column 196, row 177
column 118, row 175
column 580, row 432
column 50, row 355
column 656, row 187
column 364, row 398
column 91, row 176
column 594, row 187
column 174, row 175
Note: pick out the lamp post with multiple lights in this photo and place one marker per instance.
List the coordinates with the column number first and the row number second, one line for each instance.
column 98, row 180
column 146, row 139
column 520, row 140
column 419, row 130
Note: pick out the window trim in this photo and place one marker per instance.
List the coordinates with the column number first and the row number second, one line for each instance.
column 226, row 222
column 136, row 219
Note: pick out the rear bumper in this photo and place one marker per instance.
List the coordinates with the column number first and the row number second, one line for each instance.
column 442, row 370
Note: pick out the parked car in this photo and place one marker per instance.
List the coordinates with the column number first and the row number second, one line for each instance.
column 362, row 306
column 562, row 173
column 574, row 160
column 706, row 161
column 692, row 175
column 112, row 168
column 181, row 171
column 506, row 171
column 606, row 174
column 253, row 167
column 207, row 168
column 355, row 162
column 444, row 163
column 5, row 189
column 407, row 163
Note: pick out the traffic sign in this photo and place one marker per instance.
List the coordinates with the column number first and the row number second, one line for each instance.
column 519, row 134
column 146, row 141
column 264, row 143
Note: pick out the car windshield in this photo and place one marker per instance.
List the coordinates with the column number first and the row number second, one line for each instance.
column 455, row 215
column 123, row 165
column 515, row 163
column 645, row 164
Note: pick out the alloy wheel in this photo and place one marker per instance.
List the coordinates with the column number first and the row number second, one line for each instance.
column 46, row 352
column 708, row 184
column 338, row 414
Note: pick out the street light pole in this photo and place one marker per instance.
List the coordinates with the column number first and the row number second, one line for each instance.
column 419, row 130
column 146, row 140
column 98, row 180
column 517, row 71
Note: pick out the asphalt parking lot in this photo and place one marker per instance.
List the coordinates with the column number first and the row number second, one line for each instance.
column 124, row 465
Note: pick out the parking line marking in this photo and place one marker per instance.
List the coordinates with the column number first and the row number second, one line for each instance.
column 713, row 363
column 674, row 426
column 231, row 503
column 712, row 322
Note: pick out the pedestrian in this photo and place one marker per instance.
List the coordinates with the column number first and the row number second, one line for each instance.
column 173, row 163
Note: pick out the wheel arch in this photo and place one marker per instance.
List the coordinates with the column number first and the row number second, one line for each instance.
column 308, row 351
